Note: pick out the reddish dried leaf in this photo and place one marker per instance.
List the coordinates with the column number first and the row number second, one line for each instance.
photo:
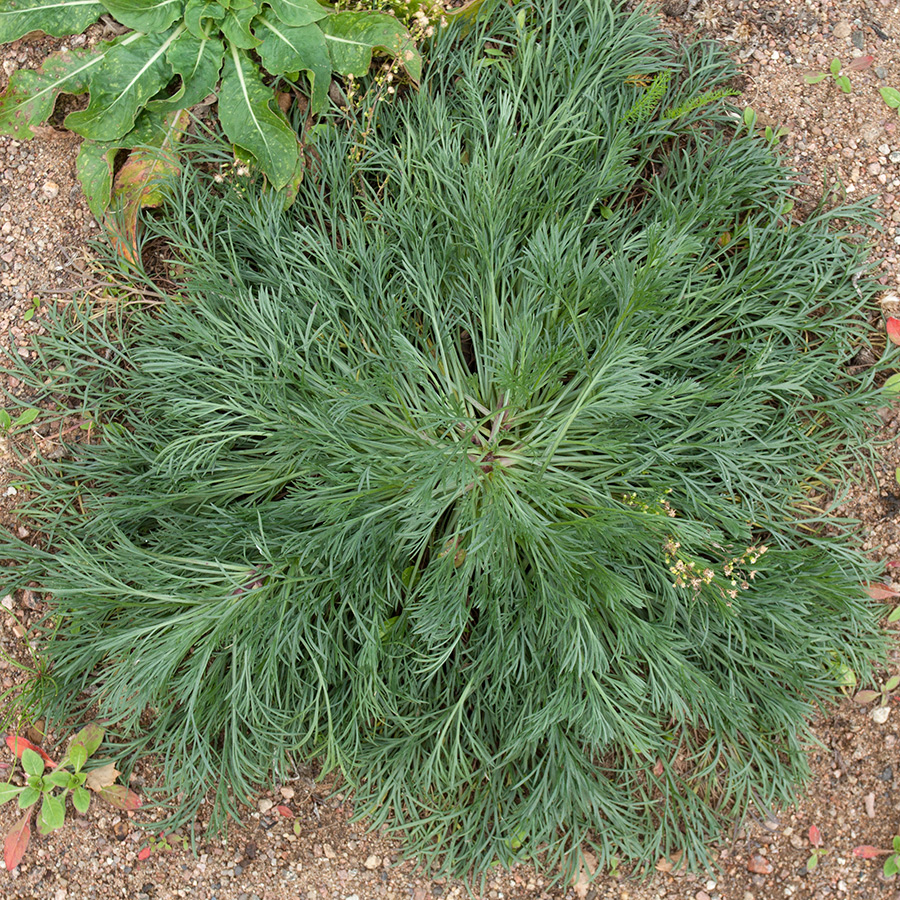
column 19, row 745
column 658, row 768
column 144, row 854
column 860, row 64
column 759, row 865
column 868, row 852
column 815, row 836
column 286, row 811
column 119, row 796
column 893, row 329
column 17, row 842
column 881, row 591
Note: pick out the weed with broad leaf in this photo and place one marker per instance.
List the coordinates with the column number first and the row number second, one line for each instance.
column 891, row 864
column 836, row 71
column 818, row 851
column 52, row 783
column 891, row 96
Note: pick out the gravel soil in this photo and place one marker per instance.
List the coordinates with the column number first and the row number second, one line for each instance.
column 299, row 844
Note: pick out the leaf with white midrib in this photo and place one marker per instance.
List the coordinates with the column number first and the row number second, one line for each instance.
column 54, row 17
column 250, row 122
column 123, row 85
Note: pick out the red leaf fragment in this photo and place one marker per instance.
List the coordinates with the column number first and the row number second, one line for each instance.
column 658, row 768
column 867, row 851
column 759, row 865
column 17, row 842
column 860, row 64
column 881, row 591
column 144, row 854
column 893, row 329
column 286, row 811
column 119, row 796
column 815, row 836
column 19, row 745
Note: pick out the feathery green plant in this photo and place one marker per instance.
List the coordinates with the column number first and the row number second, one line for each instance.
column 496, row 504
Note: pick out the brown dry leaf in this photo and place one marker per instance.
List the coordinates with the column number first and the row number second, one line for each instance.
column 97, row 779
column 582, row 881
column 669, row 863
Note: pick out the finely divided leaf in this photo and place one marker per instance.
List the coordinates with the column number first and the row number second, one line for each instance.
column 352, row 36
column 286, row 49
column 248, row 119
column 198, row 62
column 146, row 15
column 298, row 12
column 31, row 95
column 56, row 17
column 131, row 73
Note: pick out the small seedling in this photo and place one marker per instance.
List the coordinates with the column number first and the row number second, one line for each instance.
column 772, row 135
column 30, row 312
column 51, row 783
column 883, row 694
column 891, row 864
column 891, row 96
column 836, row 71
column 26, row 417
column 164, row 843
column 818, row 851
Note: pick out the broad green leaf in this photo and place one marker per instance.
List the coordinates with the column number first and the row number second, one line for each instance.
column 5, row 420
column 892, row 385
column 352, row 36
column 298, row 12
column 247, row 117
column 31, row 95
column 81, row 799
column 843, row 82
column 891, row 866
column 197, row 62
column 892, row 683
column 285, row 49
column 895, row 615
column 52, row 815
column 90, row 737
column 815, row 79
column 236, row 27
column 835, row 67
column 131, row 73
column 148, row 16
column 26, row 418
column 56, row 17
column 8, row 791
column 891, row 96
column 197, row 12
column 94, row 166
column 32, row 762
column 59, row 778
column 28, row 797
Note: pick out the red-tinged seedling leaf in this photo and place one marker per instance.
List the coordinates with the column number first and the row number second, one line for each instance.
column 864, row 697
column 815, row 836
column 866, row 851
column 880, row 591
column 861, row 63
column 19, row 745
column 286, row 811
column 119, row 796
column 17, row 842
column 893, row 329
column 144, row 854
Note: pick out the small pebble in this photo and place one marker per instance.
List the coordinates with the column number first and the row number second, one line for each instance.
column 50, row 189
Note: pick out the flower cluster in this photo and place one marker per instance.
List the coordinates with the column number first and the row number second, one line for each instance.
column 693, row 574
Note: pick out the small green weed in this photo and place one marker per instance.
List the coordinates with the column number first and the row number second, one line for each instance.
column 891, row 96
column 891, row 864
column 772, row 135
column 26, row 417
column 818, row 851
column 836, row 71
column 52, row 788
column 32, row 309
